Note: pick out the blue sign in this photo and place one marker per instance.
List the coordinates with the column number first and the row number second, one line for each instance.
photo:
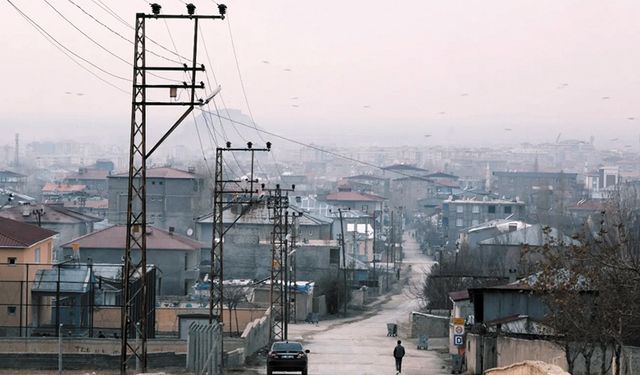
column 458, row 340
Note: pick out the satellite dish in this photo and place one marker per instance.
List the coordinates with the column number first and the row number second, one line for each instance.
column 189, row 232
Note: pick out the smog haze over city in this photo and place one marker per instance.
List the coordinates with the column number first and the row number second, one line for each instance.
column 356, row 72
column 325, row 187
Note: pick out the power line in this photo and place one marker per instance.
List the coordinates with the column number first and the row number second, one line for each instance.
column 115, row 15
column 244, row 91
column 117, row 33
column 291, row 140
column 85, row 34
column 67, row 52
column 204, row 43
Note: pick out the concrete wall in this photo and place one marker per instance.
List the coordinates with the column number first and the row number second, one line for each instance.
column 358, row 298
column 527, row 368
column 512, row 350
column 428, row 324
column 304, row 302
column 167, row 320
column 256, row 334
column 84, row 345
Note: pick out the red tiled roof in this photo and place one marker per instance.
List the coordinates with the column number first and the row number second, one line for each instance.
column 51, row 187
column 115, row 238
column 354, row 196
column 14, row 234
column 163, row 172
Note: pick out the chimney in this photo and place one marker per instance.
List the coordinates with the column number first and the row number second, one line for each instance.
column 191, row 169
column 171, row 230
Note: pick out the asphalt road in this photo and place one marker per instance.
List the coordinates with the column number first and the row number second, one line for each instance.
column 360, row 346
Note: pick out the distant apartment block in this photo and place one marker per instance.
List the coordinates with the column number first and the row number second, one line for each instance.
column 459, row 214
column 598, row 183
column 539, row 190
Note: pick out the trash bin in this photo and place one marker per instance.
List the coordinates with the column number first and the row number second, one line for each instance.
column 392, row 329
column 457, row 364
column 423, row 342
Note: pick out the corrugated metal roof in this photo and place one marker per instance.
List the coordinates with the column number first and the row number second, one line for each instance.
column 115, row 238
column 53, row 214
column 14, row 234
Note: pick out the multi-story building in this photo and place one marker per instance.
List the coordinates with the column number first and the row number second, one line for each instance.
column 540, row 190
column 24, row 249
column 458, row 214
column 174, row 198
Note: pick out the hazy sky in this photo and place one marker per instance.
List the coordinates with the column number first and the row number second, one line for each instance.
column 340, row 71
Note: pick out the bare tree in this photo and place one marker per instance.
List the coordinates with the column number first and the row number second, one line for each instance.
column 590, row 288
column 233, row 296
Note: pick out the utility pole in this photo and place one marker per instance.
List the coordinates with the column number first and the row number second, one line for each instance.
column 375, row 233
column 344, row 260
column 392, row 245
column 138, row 306
column 216, row 292
column 278, row 202
column 285, row 279
column 295, row 232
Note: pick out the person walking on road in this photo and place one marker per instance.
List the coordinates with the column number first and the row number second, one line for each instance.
column 398, row 353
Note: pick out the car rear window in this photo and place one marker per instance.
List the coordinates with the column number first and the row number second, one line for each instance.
column 286, row 347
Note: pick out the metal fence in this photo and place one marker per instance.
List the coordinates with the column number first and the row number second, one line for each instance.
column 85, row 298
column 203, row 353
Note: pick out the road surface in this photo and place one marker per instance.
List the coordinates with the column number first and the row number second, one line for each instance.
column 360, row 346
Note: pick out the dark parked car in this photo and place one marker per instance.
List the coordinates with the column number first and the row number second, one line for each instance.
column 287, row 356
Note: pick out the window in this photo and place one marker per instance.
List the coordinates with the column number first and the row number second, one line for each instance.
column 11, row 310
column 37, row 255
column 459, row 222
column 491, row 209
column 474, row 222
column 459, row 209
column 334, row 256
column 507, row 209
column 476, row 209
column 365, row 208
column 12, row 261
